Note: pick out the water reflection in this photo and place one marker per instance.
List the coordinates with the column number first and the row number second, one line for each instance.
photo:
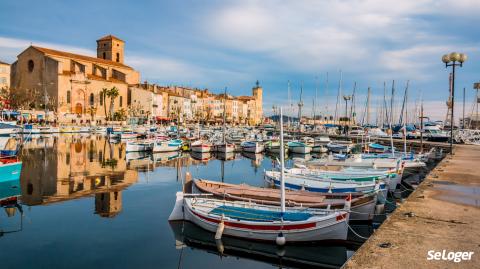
column 66, row 167
column 303, row 256
column 9, row 193
column 66, row 178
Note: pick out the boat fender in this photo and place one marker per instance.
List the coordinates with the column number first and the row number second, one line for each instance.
column 220, row 247
column 220, row 228
column 280, row 240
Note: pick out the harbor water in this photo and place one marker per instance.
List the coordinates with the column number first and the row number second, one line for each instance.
column 86, row 203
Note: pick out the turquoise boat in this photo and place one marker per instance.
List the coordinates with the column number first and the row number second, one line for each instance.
column 10, row 171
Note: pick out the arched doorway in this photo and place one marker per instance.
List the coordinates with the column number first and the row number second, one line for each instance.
column 78, row 109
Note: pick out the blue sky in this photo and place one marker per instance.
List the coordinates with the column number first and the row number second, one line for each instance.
column 218, row 44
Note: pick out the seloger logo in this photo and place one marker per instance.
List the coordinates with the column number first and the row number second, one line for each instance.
column 455, row 256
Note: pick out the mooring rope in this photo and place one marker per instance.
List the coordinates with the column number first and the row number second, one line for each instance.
column 355, row 233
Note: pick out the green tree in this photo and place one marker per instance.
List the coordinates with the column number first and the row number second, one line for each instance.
column 92, row 110
column 104, row 97
column 112, row 94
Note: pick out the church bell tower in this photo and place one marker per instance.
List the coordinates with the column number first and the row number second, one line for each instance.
column 110, row 48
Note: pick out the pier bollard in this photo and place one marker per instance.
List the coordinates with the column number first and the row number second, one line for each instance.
column 380, row 209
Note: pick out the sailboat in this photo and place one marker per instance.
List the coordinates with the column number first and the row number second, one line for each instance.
column 223, row 146
column 254, row 221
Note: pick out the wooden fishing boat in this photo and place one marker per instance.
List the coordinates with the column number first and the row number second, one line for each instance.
column 224, row 147
column 254, row 221
column 339, row 147
column 262, row 222
column 252, row 146
column 273, row 146
column 201, row 146
column 410, row 166
column 363, row 205
column 315, row 184
column 160, row 145
column 391, row 176
column 299, row 147
column 10, row 169
column 138, row 146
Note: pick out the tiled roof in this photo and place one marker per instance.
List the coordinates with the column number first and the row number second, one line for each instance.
column 4, row 63
column 108, row 37
column 245, row 98
column 79, row 57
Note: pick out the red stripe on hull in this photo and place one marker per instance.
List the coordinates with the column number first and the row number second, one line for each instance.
column 260, row 227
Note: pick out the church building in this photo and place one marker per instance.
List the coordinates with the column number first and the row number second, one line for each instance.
column 71, row 84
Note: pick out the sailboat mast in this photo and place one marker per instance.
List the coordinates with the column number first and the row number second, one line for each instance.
column 391, row 118
column 326, row 97
column 315, row 100
column 352, row 104
column 368, row 106
column 401, row 120
column 289, row 100
column 300, row 105
column 339, row 92
column 224, row 114
column 282, row 164
column 385, row 115
column 406, row 103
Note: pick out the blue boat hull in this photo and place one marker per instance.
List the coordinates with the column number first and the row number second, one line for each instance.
column 10, row 171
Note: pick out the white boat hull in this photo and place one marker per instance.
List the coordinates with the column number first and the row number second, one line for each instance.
column 165, row 146
column 333, row 227
column 253, row 148
column 137, row 147
column 319, row 149
column 224, row 148
column 203, row 148
column 300, row 149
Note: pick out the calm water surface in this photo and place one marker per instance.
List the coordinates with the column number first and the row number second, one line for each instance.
column 88, row 204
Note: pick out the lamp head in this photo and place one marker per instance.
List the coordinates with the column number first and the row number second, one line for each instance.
column 446, row 58
column 463, row 57
column 454, row 56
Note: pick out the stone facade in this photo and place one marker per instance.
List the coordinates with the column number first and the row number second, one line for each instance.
column 72, row 83
column 72, row 86
column 4, row 75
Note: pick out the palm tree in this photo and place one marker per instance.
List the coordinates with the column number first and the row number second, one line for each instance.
column 112, row 94
column 104, row 96
column 92, row 110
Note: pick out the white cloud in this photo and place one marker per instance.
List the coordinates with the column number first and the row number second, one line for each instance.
column 361, row 35
column 158, row 68
column 11, row 47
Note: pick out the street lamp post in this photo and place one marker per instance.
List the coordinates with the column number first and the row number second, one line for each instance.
column 453, row 59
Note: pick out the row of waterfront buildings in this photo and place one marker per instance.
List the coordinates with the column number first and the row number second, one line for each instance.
column 71, row 88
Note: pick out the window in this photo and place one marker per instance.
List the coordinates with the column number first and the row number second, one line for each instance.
column 118, row 57
column 68, row 97
column 92, row 99
column 30, row 188
column 121, row 101
column 31, row 65
column 129, row 97
column 101, row 98
column 104, row 55
column 3, row 80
